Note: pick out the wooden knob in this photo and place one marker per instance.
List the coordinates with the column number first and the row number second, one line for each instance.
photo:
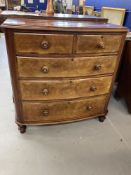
column 44, row 69
column 45, row 112
column 98, row 67
column 45, row 92
column 101, row 45
column 93, row 88
column 45, row 45
column 89, row 108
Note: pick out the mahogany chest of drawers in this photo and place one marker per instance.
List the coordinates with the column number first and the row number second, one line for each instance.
column 61, row 71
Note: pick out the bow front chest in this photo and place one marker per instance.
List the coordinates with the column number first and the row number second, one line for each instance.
column 61, row 71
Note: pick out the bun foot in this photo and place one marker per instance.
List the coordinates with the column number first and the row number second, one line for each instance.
column 22, row 128
column 101, row 118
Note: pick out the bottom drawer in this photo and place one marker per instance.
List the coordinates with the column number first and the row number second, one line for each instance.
column 49, row 112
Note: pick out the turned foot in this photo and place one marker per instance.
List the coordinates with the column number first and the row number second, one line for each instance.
column 102, row 118
column 117, row 95
column 22, row 128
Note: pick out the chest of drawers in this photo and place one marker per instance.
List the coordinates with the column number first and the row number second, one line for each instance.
column 61, row 71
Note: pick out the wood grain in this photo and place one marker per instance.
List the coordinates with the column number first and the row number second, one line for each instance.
column 65, row 67
column 34, row 43
column 62, row 111
column 62, row 25
column 64, row 89
column 98, row 43
column 62, row 71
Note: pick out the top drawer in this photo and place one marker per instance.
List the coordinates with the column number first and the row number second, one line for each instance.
column 43, row 43
column 98, row 43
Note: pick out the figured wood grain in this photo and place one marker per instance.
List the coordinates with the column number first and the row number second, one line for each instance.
column 65, row 67
column 64, row 89
column 32, row 43
column 62, row 58
column 62, row 111
column 62, row 25
column 98, row 43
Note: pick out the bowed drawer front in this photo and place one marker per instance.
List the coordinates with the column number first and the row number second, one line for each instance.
column 62, row 71
column 63, row 111
column 65, row 67
column 64, row 89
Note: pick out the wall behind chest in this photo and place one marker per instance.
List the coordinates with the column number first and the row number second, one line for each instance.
column 35, row 4
column 111, row 3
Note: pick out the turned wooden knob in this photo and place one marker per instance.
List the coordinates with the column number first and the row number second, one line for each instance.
column 97, row 67
column 45, row 45
column 101, row 45
column 93, row 88
column 45, row 92
column 89, row 108
column 44, row 69
column 45, row 112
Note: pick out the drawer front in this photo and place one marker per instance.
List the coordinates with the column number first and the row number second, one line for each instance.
column 43, row 43
column 64, row 89
column 98, row 43
column 65, row 67
column 63, row 111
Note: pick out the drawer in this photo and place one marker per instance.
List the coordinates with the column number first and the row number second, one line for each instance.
column 65, row 67
column 98, row 43
column 64, row 89
column 43, row 43
column 63, row 110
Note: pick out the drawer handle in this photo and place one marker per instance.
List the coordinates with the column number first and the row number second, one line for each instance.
column 98, row 67
column 45, row 92
column 89, row 108
column 45, row 112
column 45, row 45
column 93, row 88
column 101, row 45
column 44, row 69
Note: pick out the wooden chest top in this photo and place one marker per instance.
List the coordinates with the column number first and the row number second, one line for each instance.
column 61, row 25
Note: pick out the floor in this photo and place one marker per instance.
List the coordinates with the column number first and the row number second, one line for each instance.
column 82, row 148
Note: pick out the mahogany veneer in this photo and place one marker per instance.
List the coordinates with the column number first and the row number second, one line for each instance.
column 62, row 71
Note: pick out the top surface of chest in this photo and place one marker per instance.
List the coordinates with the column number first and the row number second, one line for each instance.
column 61, row 25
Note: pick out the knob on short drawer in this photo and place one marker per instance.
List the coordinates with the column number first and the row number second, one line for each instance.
column 45, row 112
column 100, row 45
column 45, row 69
column 45, row 92
column 97, row 67
column 44, row 44
column 93, row 88
column 89, row 108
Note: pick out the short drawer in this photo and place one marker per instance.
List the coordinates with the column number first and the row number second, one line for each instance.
column 63, row 110
column 64, row 89
column 65, row 67
column 98, row 43
column 40, row 44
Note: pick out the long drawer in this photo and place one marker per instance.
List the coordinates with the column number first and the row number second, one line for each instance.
column 98, row 43
column 62, row 111
column 64, row 89
column 65, row 67
column 40, row 44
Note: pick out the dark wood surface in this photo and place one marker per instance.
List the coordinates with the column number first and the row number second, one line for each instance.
column 59, row 25
column 62, row 71
column 124, row 81
column 68, row 17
